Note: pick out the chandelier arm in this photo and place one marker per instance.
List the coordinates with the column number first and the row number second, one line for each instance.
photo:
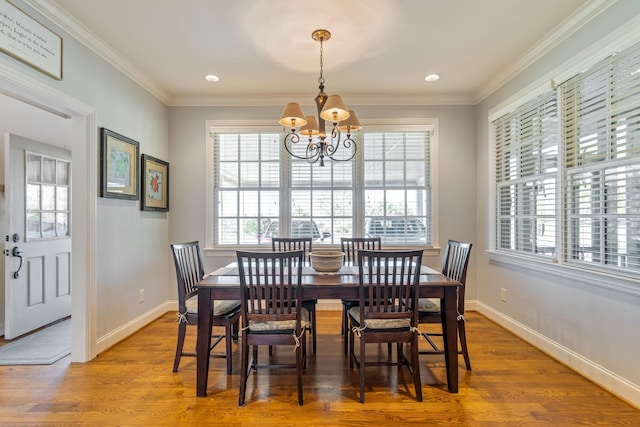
column 347, row 143
column 336, row 142
column 312, row 151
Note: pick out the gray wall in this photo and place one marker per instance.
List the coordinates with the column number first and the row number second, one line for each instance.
column 132, row 246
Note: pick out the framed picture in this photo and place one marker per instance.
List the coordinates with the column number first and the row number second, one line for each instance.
column 155, row 184
column 119, row 166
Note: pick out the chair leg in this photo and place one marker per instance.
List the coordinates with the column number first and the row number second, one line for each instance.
column 228, row 343
column 463, row 344
column 345, row 326
column 235, row 331
column 255, row 355
column 351, row 347
column 182, row 332
column 361, row 366
column 312, row 314
column 415, row 367
column 299, row 362
column 244, row 370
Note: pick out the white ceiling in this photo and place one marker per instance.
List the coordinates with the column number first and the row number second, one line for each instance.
column 380, row 50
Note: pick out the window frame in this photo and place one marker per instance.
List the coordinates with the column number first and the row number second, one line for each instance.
column 264, row 126
column 624, row 280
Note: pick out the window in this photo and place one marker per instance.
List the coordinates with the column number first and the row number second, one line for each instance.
column 585, row 135
column 526, row 177
column 397, row 186
column 601, row 130
column 47, row 198
column 260, row 192
column 247, row 185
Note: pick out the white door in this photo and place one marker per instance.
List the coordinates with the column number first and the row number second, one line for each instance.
column 37, row 242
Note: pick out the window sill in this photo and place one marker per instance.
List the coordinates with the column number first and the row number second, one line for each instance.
column 610, row 281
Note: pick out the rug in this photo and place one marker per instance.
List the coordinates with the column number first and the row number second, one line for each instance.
column 41, row 348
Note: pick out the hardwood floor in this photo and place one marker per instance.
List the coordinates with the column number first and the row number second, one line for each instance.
column 132, row 384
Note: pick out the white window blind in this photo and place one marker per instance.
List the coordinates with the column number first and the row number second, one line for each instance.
column 568, row 170
column 397, row 186
column 246, row 185
column 260, row 192
column 324, row 195
column 526, row 177
column 601, row 134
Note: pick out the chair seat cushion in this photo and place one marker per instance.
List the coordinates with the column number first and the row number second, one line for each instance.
column 429, row 305
column 280, row 325
column 354, row 313
column 220, row 307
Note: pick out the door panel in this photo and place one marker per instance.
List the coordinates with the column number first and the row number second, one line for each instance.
column 37, row 210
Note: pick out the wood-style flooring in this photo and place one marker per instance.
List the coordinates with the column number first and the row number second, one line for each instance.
column 132, row 384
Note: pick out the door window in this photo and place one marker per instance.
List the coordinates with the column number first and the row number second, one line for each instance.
column 47, row 197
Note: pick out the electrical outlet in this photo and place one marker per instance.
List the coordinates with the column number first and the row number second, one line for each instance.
column 503, row 294
column 141, row 295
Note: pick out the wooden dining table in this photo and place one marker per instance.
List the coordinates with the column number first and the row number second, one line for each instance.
column 224, row 284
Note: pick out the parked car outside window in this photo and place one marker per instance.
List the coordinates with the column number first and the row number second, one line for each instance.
column 299, row 229
column 396, row 230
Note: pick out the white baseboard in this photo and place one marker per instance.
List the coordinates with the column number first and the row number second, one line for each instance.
column 117, row 335
column 622, row 388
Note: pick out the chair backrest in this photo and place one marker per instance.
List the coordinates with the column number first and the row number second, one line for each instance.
column 284, row 244
column 270, row 285
column 454, row 266
column 189, row 270
column 351, row 245
column 388, row 283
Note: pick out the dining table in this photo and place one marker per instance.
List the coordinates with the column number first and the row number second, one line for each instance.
column 224, row 284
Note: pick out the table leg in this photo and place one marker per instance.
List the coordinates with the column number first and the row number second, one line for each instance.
column 450, row 336
column 203, row 341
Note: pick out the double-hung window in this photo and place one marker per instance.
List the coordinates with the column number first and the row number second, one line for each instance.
column 397, row 186
column 526, row 177
column 568, row 170
column 260, row 192
column 601, row 134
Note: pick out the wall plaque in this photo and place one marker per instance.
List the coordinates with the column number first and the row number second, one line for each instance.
column 25, row 39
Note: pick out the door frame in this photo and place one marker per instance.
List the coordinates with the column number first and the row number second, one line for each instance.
column 84, row 174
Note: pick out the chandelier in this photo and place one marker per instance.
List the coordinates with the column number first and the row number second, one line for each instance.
column 331, row 109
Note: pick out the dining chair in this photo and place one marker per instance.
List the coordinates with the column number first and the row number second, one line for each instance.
column 387, row 311
column 272, row 311
column 189, row 271
column 350, row 247
column 454, row 266
column 304, row 244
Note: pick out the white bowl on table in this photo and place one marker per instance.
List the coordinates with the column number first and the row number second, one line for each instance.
column 326, row 261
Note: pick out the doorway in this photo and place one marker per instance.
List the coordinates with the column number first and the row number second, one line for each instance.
column 25, row 103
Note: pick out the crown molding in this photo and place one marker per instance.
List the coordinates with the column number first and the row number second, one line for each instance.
column 562, row 32
column 280, row 100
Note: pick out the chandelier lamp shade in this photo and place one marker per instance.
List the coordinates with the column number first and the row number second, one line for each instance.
column 338, row 145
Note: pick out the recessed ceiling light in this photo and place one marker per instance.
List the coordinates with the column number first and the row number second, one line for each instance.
column 212, row 78
column 432, row 77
